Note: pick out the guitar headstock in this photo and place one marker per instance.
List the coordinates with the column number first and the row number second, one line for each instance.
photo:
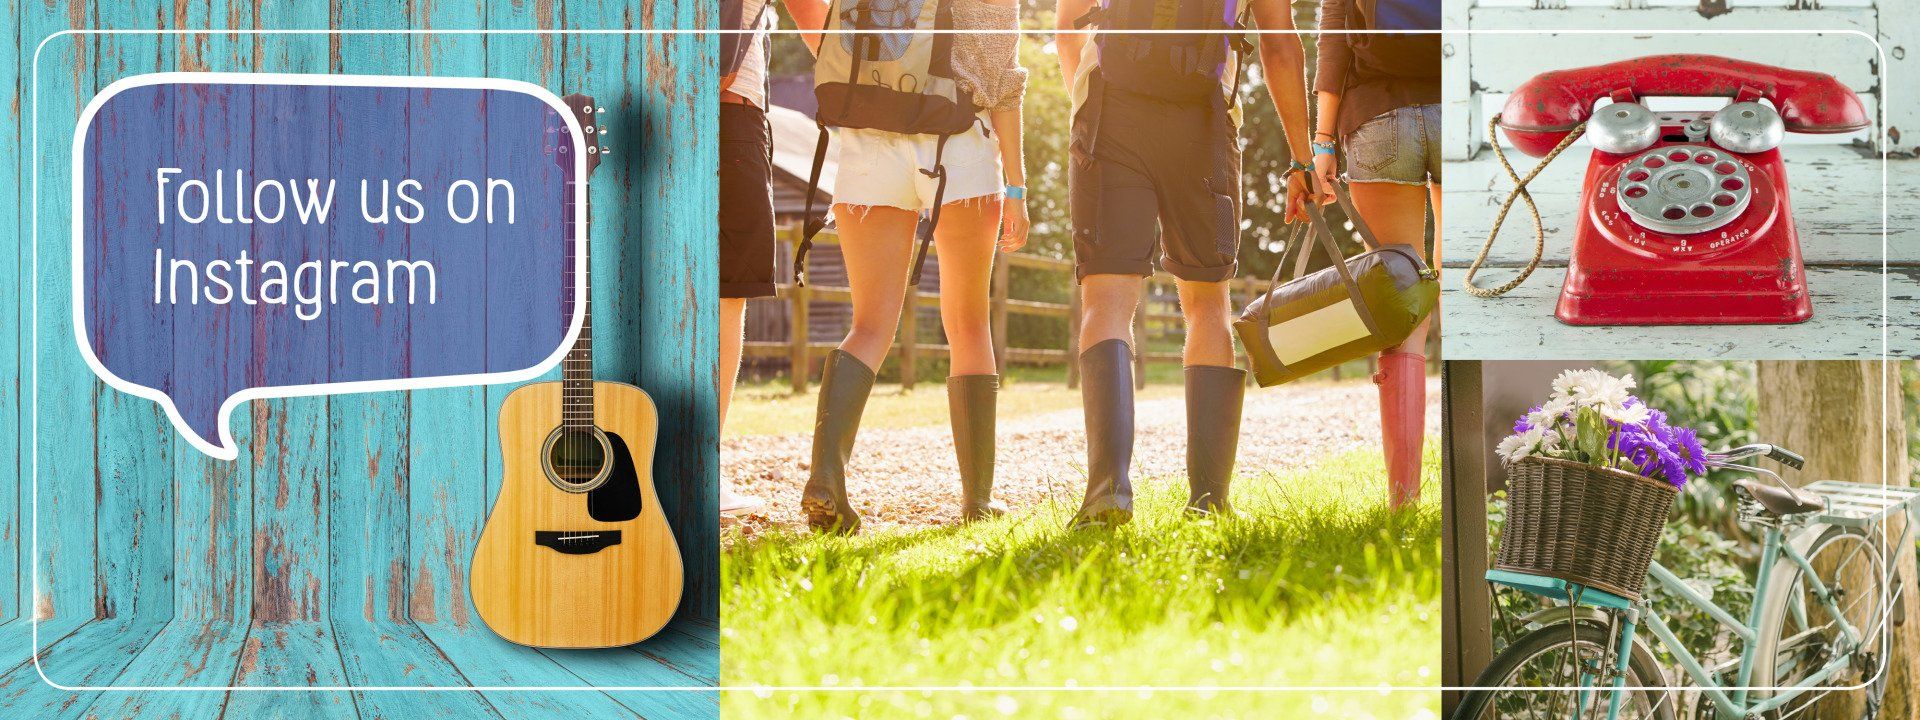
column 587, row 114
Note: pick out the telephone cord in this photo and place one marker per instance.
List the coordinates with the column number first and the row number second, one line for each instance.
column 1519, row 193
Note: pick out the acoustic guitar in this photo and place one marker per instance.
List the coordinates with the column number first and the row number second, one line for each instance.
column 576, row 553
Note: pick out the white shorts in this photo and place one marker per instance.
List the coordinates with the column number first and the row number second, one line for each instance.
column 879, row 168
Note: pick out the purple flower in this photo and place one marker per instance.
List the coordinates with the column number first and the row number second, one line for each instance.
column 1521, row 426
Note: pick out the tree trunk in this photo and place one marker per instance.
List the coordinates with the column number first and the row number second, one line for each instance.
column 1830, row 412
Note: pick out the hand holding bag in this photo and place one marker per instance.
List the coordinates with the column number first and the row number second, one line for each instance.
column 1359, row 306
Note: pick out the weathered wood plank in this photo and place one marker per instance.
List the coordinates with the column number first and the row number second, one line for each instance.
column 487, row 660
column 134, row 451
column 385, row 653
column 677, row 291
column 92, row 655
column 214, row 509
column 692, row 648
column 449, row 467
column 15, row 282
column 66, row 418
column 191, row 653
column 289, row 654
column 606, row 669
column 1836, row 197
column 1846, row 324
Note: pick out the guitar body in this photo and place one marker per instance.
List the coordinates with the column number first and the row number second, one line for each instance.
column 565, row 568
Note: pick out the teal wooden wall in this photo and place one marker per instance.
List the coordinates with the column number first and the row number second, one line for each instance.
column 334, row 550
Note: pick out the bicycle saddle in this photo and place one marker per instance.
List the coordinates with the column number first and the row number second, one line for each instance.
column 1779, row 500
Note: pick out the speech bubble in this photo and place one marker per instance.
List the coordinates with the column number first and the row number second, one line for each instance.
column 244, row 236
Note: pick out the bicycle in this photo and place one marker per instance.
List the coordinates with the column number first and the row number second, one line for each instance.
column 1816, row 626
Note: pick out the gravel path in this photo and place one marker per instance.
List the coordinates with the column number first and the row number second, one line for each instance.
column 907, row 477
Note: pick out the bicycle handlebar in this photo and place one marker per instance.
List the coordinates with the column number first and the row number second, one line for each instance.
column 1779, row 454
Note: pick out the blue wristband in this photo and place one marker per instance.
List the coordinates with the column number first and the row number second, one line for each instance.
column 1324, row 149
column 1016, row 192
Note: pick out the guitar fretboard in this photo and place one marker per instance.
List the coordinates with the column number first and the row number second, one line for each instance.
column 576, row 394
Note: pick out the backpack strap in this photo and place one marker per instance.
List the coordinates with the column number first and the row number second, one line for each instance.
column 809, row 225
column 939, row 174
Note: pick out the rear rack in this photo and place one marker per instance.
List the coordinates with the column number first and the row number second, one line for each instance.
column 1853, row 504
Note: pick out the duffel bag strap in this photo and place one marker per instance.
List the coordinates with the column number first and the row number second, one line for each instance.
column 1317, row 226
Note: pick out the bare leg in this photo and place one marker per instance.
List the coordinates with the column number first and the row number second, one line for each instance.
column 1107, row 303
column 733, row 320
column 733, row 315
column 1397, row 214
column 966, row 235
column 1209, row 340
column 965, row 239
column 877, row 245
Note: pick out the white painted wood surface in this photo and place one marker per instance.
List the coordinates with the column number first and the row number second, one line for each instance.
column 1520, row 326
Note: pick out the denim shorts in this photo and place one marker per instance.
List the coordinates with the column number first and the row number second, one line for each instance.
column 1398, row 146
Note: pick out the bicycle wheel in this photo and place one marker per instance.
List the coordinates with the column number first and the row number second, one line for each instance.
column 1549, row 657
column 1798, row 634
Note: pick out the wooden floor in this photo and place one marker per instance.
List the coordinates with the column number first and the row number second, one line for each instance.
column 1837, row 206
column 152, row 652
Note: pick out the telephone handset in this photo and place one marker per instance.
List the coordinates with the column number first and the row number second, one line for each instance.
column 1685, row 216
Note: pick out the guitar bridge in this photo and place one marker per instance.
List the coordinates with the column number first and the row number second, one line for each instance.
column 584, row 542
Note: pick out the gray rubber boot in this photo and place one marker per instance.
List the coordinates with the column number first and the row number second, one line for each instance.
column 844, row 386
column 970, row 405
column 1214, row 397
column 1106, row 394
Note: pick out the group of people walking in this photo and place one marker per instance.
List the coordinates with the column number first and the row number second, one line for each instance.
column 929, row 146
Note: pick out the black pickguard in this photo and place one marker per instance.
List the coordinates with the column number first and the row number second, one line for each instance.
column 618, row 499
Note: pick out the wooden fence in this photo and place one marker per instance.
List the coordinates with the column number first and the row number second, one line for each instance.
column 1156, row 313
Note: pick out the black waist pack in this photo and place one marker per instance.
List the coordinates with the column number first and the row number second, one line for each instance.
column 1359, row 306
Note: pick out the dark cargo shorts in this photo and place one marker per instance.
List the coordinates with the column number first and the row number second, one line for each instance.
column 1145, row 170
column 746, row 202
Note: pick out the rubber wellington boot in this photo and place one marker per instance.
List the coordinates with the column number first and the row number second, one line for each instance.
column 1106, row 394
column 1214, row 396
column 970, row 405
column 844, row 386
column 1403, row 418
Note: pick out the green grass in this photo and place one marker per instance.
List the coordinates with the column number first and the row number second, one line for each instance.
column 1319, row 585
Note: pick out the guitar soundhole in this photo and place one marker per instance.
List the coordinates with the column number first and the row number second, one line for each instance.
column 577, row 458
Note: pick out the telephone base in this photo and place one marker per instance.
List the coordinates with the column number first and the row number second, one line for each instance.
column 1752, row 309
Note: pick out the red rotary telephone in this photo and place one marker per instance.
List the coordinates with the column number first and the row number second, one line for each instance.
column 1685, row 217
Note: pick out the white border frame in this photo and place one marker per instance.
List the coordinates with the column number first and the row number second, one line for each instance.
column 1886, row 385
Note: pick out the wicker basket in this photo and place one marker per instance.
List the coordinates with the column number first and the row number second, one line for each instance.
column 1589, row 525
